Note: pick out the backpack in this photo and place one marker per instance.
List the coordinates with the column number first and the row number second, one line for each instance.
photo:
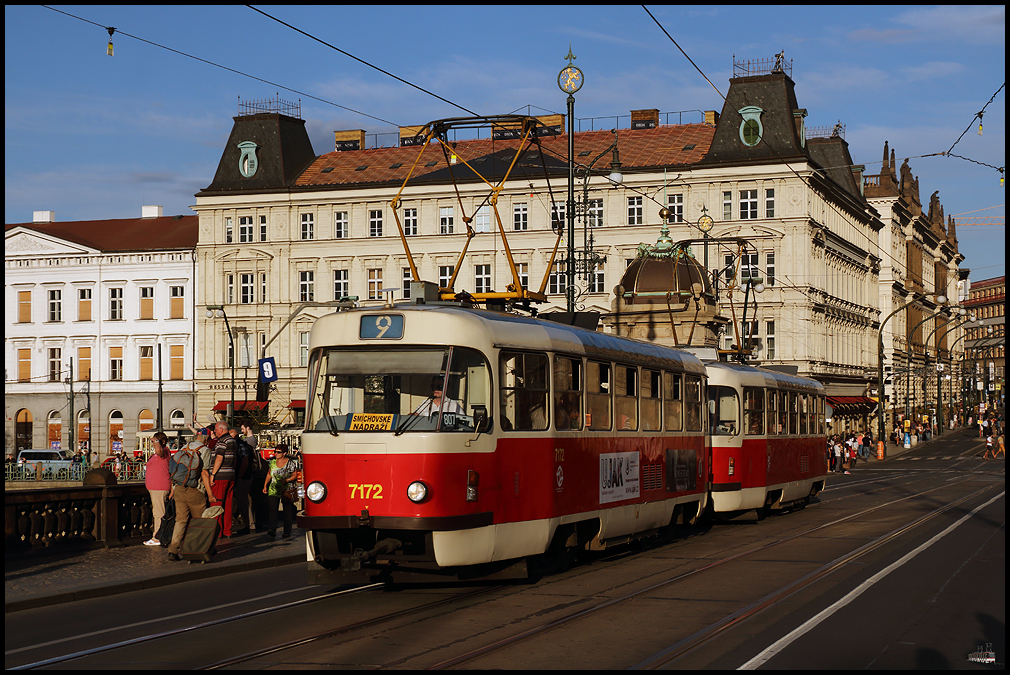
column 184, row 467
column 246, row 451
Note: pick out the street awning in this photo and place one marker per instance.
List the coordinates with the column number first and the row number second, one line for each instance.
column 852, row 405
column 222, row 406
column 298, row 403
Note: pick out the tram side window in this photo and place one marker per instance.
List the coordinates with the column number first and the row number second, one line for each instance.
column 754, row 403
column 651, row 401
column 817, row 421
column 793, row 413
column 567, row 393
column 693, row 404
column 772, row 412
column 803, row 414
column 673, row 415
column 783, row 401
column 626, row 398
column 523, row 391
column 598, row 395
column 724, row 411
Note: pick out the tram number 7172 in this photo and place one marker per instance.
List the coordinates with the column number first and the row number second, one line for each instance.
column 365, row 490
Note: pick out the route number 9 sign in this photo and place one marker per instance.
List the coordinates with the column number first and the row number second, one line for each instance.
column 268, row 370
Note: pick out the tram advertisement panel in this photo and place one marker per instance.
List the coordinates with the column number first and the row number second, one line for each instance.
column 619, row 476
column 681, row 469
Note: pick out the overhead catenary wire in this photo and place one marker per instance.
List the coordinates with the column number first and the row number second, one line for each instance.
column 218, row 65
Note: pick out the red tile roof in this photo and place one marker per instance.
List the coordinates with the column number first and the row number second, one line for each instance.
column 124, row 235
column 639, row 149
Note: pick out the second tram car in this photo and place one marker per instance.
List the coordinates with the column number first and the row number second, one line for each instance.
column 766, row 438
column 448, row 442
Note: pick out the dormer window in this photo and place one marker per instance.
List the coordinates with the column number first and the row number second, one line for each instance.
column 751, row 129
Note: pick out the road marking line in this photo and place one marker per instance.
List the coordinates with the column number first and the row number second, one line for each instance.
column 809, row 625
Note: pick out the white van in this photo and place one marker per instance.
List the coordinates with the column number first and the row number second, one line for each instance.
column 53, row 463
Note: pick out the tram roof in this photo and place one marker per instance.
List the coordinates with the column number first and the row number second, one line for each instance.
column 759, row 377
column 511, row 331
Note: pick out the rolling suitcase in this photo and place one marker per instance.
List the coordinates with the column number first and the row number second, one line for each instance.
column 200, row 540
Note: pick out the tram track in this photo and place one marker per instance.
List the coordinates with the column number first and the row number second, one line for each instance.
column 712, row 631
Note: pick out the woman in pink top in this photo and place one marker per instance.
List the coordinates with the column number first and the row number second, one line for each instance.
column 157, row 482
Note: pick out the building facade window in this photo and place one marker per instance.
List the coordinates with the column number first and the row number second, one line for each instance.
column 410, row 222
column 229, row 288
column 445, row 275
column 558, row 279
column 177, row 304
column 177, row 362
column 675, row 204
column 146, row 362
column 727, row 206
column 55, row 364
column 55, row 305
column 375, row 283
column 482, row 278
column 558, row 216
column 308, row 226
column 263, row 228
column 748, row 204
column 595, row 211
column 445, row 220
column 83, row 364
column 770, row 339
column 247, row 289
column 341, row 285
column 375, row 223
column 147, row 302
column 482, row 219
column 116, row 363
column 408, row 277
column 306, row 286
column 245, row 229
column 115, row 304
column 597, row 280
column 24, row 365
column 24, row 306
column 635, row 216
column 520, row 217
column 770, row 203
column 341, row 225
column 303, row 348
column 770, row 268
column 228, row 231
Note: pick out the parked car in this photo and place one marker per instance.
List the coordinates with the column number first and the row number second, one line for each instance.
column 53, row 463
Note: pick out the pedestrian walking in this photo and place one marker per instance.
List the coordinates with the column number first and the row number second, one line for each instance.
column 185, row 468
column 158, row 483
column 222, row 475
column 280, row 488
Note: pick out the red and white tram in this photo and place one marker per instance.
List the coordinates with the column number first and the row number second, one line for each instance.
column 767, row 438
column 446, row 442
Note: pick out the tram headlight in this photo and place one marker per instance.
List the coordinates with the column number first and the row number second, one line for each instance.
column 417, row 492
column 315, row 492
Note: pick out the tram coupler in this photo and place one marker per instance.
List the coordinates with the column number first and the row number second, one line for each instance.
column 360, row 556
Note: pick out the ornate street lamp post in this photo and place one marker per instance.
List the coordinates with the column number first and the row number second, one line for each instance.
column 218, row 310
column 570, row 80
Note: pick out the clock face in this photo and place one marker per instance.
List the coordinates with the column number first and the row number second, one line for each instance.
column 705, row 223
column 570, row 79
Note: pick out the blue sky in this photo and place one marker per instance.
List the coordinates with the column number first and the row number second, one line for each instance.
column 89, row 136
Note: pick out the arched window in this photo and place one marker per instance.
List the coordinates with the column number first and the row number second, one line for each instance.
column 145, row 420
column 84, row 430
column 23, row 429
column 115, row 431
column 54, row 434
column 178, row 419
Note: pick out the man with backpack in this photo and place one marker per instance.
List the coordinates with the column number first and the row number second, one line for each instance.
column 185, row 470
column 222, row 475
column 244, row 468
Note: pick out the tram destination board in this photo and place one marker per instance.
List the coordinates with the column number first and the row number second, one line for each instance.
column 381, row 326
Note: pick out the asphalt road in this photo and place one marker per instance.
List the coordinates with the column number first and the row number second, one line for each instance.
column 899, row 565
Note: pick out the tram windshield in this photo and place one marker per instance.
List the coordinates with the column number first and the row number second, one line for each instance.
column 724, row 411
column 408, row 390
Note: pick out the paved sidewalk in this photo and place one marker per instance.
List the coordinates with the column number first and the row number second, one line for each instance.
column 40, row 578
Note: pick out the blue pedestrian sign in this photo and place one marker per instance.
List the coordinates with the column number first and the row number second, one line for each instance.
column 268, row 370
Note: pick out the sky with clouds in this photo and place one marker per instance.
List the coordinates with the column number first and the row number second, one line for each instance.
column 91, row 136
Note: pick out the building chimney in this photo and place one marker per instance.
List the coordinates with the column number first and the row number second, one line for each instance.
column 857, row 175
column 409, row 136
column 349, row 140
column 711, row 117
column 150, row 211
column 645, row 119
column 43, row 216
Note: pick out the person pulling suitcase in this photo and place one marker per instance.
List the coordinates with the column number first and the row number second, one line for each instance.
column 185, row 469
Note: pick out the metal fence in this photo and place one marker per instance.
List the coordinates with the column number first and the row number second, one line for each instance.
column 125, row 472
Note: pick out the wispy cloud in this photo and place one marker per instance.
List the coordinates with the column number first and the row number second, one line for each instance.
column 978, row 24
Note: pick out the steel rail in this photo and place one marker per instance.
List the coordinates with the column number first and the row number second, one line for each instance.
column 582, row 614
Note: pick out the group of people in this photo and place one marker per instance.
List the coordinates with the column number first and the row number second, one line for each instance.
column 220, row 468
column 991, row 428
column 842, row 454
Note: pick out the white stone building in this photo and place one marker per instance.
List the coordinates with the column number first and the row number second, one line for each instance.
column 280, row 226
column 89, row 307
